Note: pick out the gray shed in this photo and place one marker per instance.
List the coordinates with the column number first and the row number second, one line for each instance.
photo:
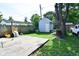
column 45, row 25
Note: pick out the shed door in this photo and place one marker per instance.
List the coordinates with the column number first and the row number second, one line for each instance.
column 47, row 27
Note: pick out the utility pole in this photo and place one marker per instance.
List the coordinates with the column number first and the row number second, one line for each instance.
column 40, row 10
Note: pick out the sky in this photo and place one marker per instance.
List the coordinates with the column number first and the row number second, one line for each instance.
column 19, row 9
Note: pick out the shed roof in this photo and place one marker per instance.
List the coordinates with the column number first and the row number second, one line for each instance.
column 45, row 19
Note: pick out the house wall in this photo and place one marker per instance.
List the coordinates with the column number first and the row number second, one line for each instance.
column 51, row 27
column 44, row 26
column 47, row 27
column 41, row 27
column 4, row 23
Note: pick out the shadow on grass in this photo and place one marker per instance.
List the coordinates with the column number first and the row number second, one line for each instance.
column 60, row 47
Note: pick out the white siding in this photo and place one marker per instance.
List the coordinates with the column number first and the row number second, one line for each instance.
column 51, row 26
column 41, row 27
column 45, row 25
column 4, row 23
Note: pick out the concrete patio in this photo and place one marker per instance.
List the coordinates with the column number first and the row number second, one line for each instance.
column 20, row 46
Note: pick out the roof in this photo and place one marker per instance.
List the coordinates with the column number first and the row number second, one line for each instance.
column 69, row 23
column 45, row 20
column 8, row 21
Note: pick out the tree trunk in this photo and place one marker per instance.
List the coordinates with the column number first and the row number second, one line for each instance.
column 67, row 12
column 57, row 15
column 66, row 17
column 60, row 20
column 62, row 27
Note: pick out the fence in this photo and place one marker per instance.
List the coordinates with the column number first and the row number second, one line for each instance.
column 21, row 28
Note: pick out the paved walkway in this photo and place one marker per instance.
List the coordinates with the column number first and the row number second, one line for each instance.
column 20, row 46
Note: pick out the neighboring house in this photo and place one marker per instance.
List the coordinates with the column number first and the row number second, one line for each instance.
column 69, row 25
column 7, row 22
column 45, row 25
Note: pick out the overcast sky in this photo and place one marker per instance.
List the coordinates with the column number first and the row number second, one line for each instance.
column 19, row 9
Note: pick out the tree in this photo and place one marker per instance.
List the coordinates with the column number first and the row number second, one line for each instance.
column 61, row 18
column 73, row 12
column 11, row 20
column 1, row 16
column 66, row 12
column 62, row 22
column 57, row 15
column 25, row 20
column 50, row 15
column 65, row 15
column 35, row 20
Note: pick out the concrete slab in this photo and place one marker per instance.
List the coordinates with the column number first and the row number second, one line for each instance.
column 21, row 46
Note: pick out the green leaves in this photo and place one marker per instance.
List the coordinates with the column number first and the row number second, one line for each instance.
column 35, row 19
column 10, row 18
column 50, row 15
column 1, row 16
column 73, row 14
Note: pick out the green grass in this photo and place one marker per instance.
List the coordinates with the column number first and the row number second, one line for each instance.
column 42, row 35
column 58, row 47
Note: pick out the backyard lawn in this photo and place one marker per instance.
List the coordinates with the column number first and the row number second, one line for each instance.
column 58, row 47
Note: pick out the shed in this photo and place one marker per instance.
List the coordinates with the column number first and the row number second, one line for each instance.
column 45, row 25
